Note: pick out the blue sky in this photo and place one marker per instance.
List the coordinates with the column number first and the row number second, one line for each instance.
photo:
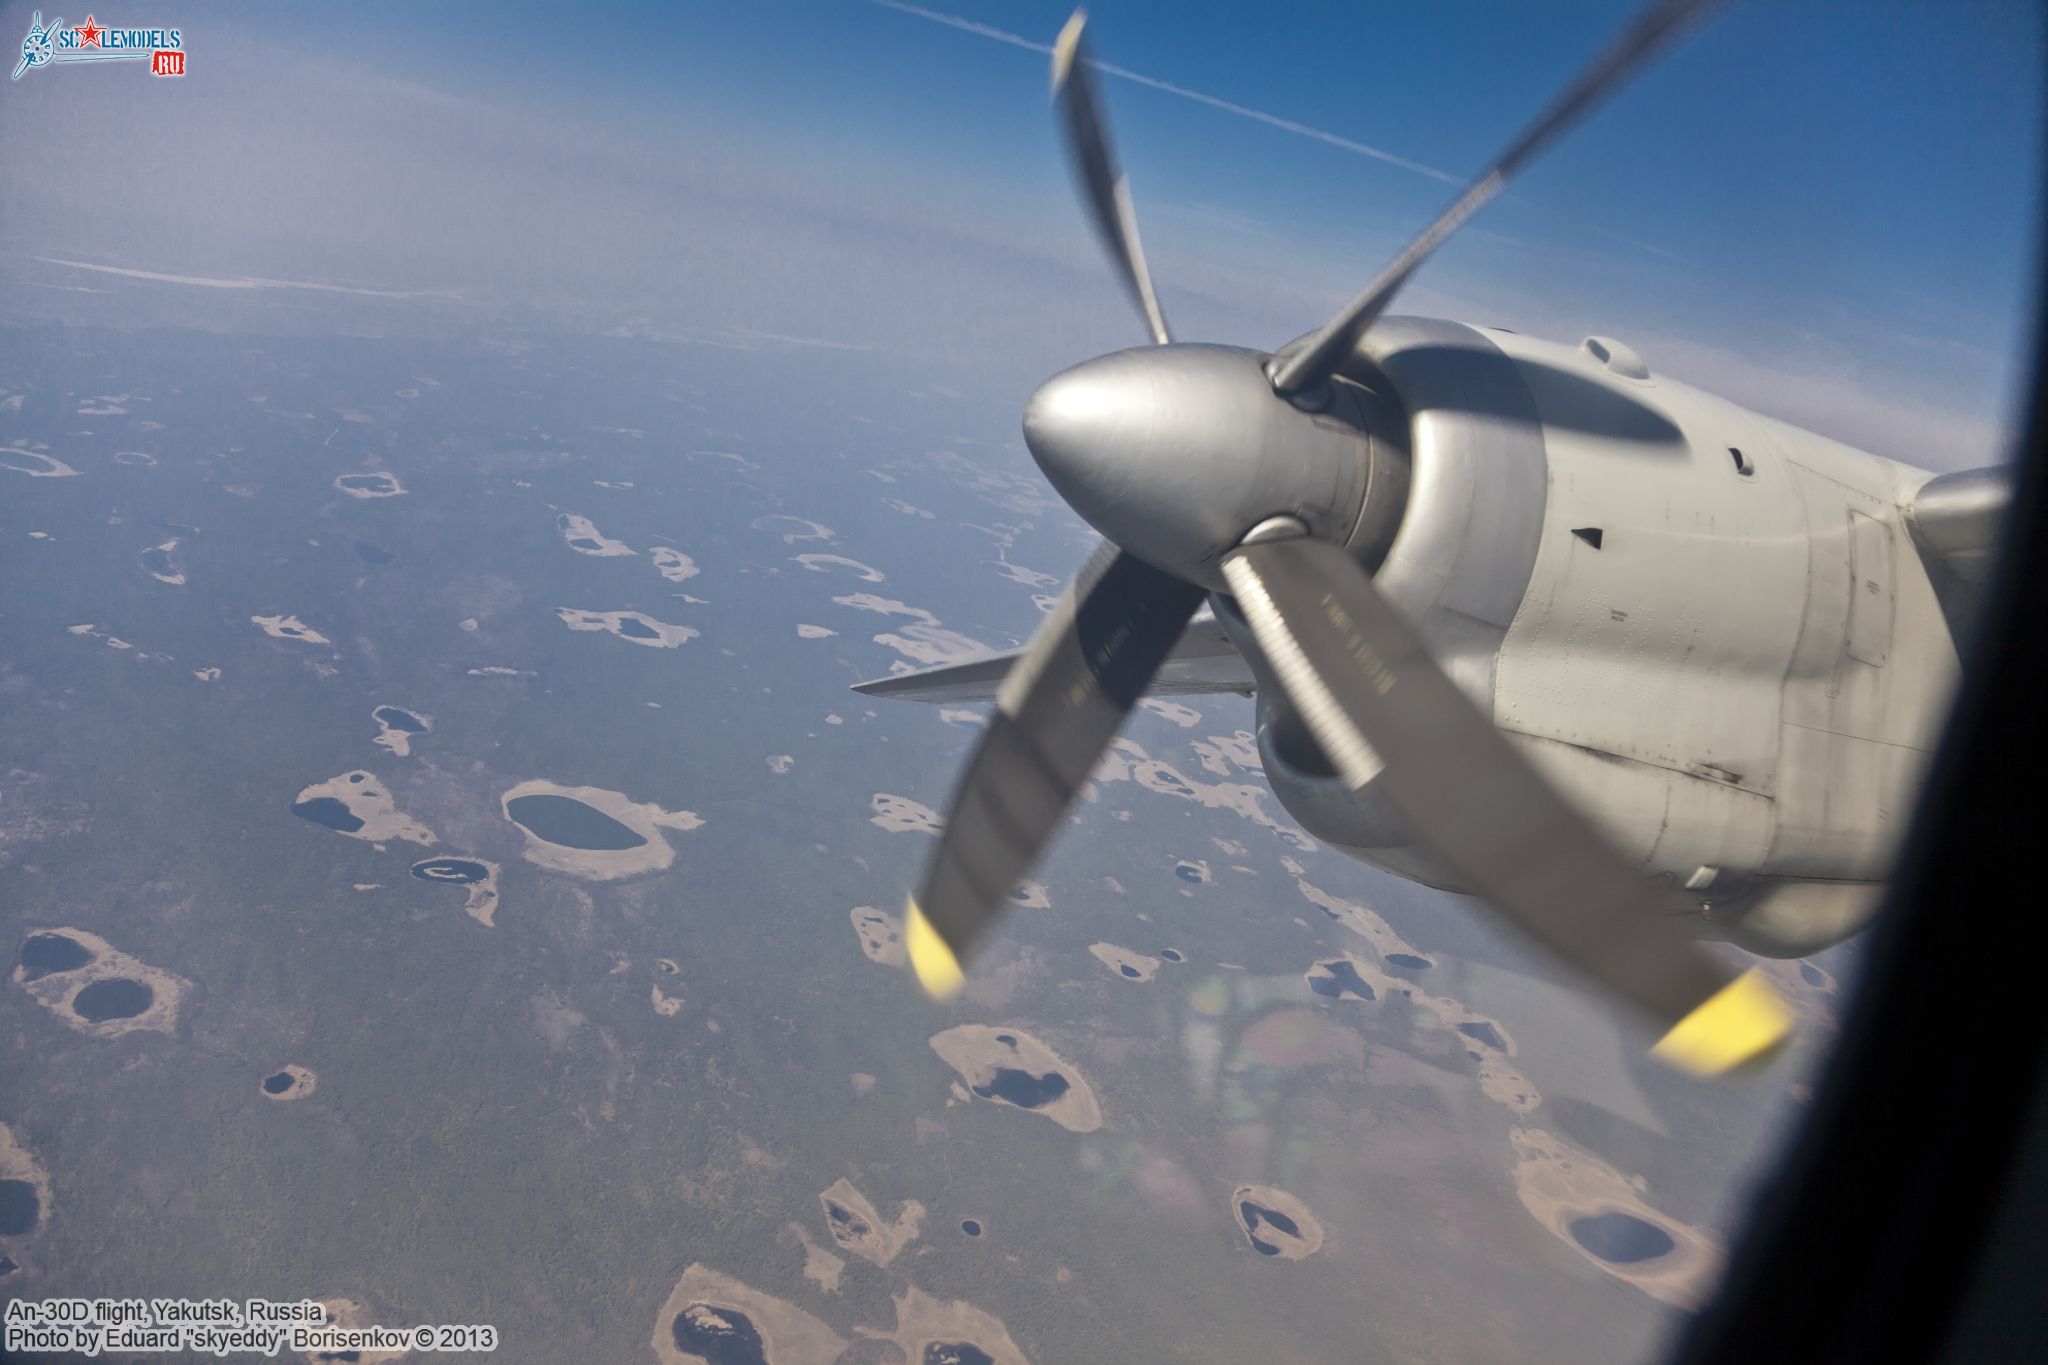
column 1826, row 210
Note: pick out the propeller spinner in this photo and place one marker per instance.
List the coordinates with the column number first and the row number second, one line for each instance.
column 1214, row 468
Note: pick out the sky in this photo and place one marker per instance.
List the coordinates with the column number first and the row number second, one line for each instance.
column 1827, row 211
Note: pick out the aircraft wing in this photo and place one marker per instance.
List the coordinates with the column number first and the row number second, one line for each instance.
column 1954, row 520
column 1203, row 661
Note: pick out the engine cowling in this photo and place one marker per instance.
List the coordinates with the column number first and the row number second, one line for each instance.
column 1460, row 562
column 1455, row 554
column 1784, row 917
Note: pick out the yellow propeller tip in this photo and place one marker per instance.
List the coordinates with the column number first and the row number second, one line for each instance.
column 1066, row 46
column 938, row 971
column 1742, row 1022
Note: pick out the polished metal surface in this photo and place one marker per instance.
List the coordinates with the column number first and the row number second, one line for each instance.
column 1175, row 452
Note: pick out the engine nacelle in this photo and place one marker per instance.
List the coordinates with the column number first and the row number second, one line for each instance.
column 1787, row 918
column 1650, row 680
column 1457, row 563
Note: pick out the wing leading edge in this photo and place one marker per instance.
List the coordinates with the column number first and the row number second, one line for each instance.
column 1202, row 661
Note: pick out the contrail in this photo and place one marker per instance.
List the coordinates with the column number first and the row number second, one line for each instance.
column 250, row 282
column 1285, row 125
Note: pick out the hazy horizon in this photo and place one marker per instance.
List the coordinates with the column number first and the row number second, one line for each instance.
column 861, row 176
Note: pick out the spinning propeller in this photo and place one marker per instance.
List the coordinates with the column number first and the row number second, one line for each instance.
column 1210, row 468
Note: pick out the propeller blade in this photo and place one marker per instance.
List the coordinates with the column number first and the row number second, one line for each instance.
column 1095, row 166
column 1059, row 707
column 1380, row 707
column 1629, row 52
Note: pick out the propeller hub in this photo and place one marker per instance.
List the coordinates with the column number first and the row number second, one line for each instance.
column 1175, row 452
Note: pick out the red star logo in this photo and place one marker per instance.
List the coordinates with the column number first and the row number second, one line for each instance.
column 88, row 33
